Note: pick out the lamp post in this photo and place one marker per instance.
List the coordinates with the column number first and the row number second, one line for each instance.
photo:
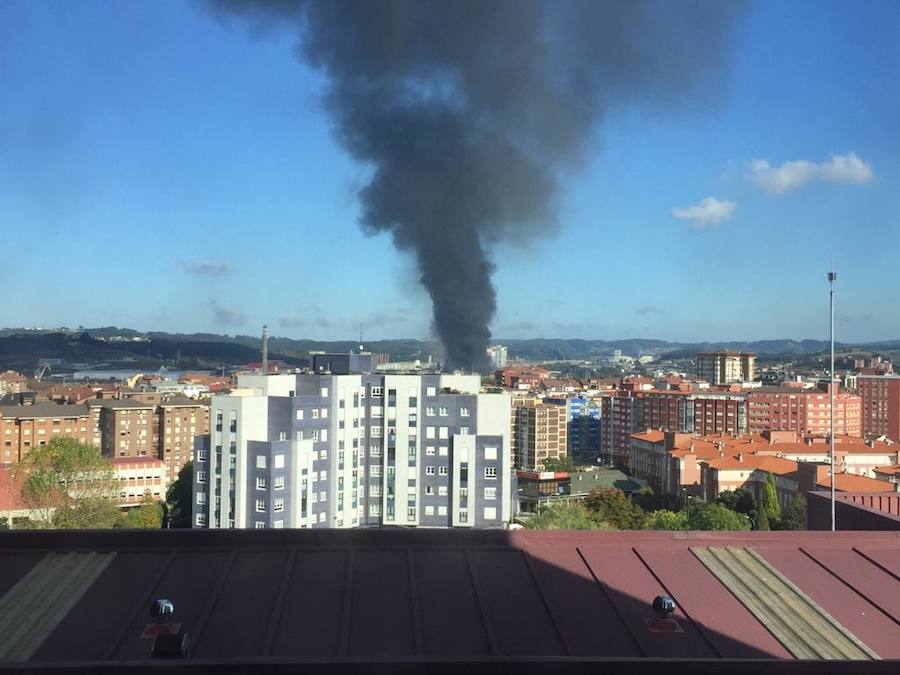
column 832, row 277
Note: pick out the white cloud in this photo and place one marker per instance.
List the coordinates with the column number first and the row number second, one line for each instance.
column 849, row 168
column 707, row 213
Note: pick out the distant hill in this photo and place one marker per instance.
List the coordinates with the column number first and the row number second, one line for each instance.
column 22, row 348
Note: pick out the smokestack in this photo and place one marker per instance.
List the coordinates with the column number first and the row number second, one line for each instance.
column 469, row 112
column 265, row 350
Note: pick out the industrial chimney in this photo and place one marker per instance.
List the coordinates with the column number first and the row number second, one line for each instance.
column 265, row 350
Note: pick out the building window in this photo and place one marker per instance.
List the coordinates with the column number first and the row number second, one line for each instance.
column 442, row 470
column 322, row 517
column 463, row 412
column 490, row 454
column 201, row 498
column 429, row 470
column 429, row 510
column 429, row 432
column 315, row 413
column 429, row 490
column 201, row 455
column 442, row 510
column 201, row 476
column 324, row 435
column 201, row 519
column 429, row 411
column 490, row 493
column 490, row 472
column 490, row 513
column 260, row 525
column 324, row 413
column 260, row 461
column 278, row 483
column 278, row 505
column 429, row 450
column 278, row 524
column 299, row 414
column 443, row 433
column 260, row 505
column 261, row 483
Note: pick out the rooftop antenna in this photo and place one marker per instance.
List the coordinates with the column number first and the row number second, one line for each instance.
column 265, row 350
column 360, row 339
column 832, row 277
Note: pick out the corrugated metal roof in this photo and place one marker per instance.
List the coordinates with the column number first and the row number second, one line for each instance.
column 369, row 595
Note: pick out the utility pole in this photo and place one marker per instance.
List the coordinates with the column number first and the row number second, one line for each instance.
column 832, row 277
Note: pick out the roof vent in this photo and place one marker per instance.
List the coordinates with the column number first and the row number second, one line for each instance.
column 663, row 606
column 170, row 642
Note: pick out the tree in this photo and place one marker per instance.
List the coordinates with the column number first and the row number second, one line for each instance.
column 93, row 513
column 611, row 506
column 740, row 500
column 762, row 520
column 147, row 516
column 667, row 520
column 770, row 500
column 558, row 464
column 564, row 516
column 65, row 475
column 706, row 516
column 647, row 499
column 179, row 496
column 794, row 517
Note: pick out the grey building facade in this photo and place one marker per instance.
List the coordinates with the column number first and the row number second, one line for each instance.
column 358, row 450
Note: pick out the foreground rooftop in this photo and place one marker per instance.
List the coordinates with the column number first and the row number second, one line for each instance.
column 396, row 600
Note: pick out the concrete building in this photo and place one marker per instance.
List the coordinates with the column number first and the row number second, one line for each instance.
column 806, row 411
column 30, row 426
column 498, row 356
column 354, row 450
column 538, row 431
column 726, row 367
column 880, row 400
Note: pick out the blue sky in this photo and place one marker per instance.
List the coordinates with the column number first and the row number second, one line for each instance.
column 161, row 170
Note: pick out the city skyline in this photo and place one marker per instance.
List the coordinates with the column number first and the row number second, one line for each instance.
column 201, row 158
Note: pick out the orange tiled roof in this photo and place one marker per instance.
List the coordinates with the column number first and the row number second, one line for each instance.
column 848, row 482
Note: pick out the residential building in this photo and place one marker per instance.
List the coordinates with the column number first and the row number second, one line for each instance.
column 354, row 450
column 524, row 378
column 725, row 367
column 583, row 429
column 179, row 420
column 806, row 411
column 124, row 427
column 25, row 427
column 880, row 397
column 498, row 355
column 12, row 382
column 537, row 489
column 538, row 431
column 672, row 463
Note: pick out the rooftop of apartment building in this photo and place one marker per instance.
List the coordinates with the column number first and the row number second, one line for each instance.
column 120, row 404
column 41, row 410
column 409, row 601
column 786, row 442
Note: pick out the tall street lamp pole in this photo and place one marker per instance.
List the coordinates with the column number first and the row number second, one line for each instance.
column 832, row 277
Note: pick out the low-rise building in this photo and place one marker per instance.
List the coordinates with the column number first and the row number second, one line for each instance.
column 137, row 476
column 537, row 489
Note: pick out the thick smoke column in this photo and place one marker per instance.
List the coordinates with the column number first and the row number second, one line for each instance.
column 468, row 111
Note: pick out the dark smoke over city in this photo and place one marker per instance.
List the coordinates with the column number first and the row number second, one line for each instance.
column 470, row 112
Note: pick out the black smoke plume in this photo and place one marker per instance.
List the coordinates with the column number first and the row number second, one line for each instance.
column 469, row 112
